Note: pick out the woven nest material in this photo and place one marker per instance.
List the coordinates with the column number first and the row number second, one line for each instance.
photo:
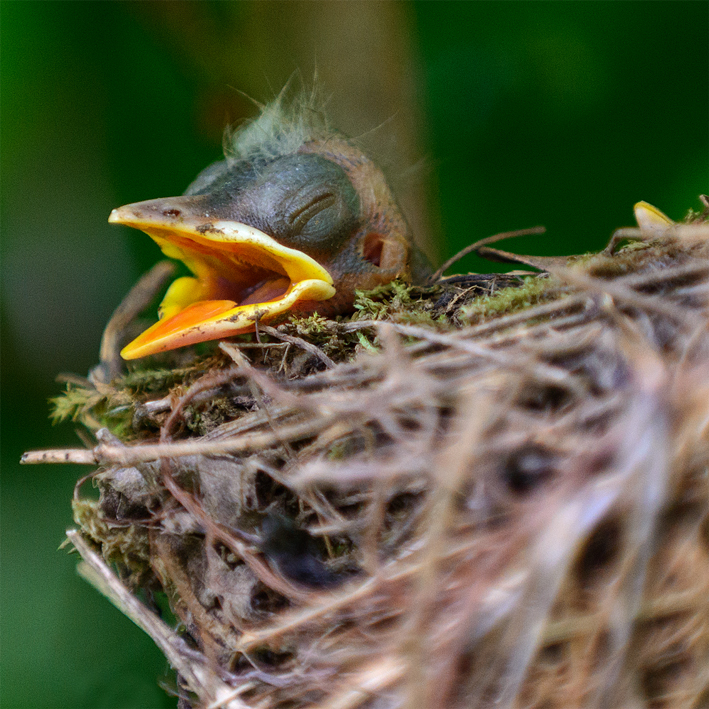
column 456, row 498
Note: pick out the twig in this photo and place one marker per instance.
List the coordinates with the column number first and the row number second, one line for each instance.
column 483, row 242
column 143, row 453
column 76, row 456
column 299, row 342
column 209, row 382
column 138, row 298
column 190, row 664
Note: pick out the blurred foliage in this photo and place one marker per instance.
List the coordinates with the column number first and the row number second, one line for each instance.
column 562, row 114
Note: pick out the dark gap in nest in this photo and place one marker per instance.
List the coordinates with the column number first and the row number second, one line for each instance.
column 408, row 421
column 300, row 556
column 670, row 285
column 528, row 469
column 214, row 605
column 401, row 504
column 348, row 446
column 659, row 680
column 267, row 490
column 553, row 654
column 704, row 535
column 272, row 658
column 119, row 507
column 464, row 667
column 187, row 477
column 684, row 513
column 399, row 521
column 600, row 555
column 598, row 370
column 379, row 438
column 600, row 461
column 371, row 437
column 350, row 510
column 661, row 334
column 267, row 602
column 186, row 549
column 147, row 422
column 538, row 397
column 203, row 417
column 349, row 505
column 383, row 624
column 469, row 664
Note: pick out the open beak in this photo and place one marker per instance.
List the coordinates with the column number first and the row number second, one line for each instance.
column 241, row 275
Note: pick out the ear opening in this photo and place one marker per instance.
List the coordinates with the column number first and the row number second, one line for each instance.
column 372, row 248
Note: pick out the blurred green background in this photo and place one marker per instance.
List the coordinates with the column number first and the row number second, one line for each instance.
column 489, row 116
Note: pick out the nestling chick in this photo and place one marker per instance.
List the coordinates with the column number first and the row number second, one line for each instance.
column 294, row 219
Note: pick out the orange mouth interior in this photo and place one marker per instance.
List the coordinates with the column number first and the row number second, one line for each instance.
column 241, row 275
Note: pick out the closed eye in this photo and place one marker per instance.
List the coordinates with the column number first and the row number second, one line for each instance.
column 299, row 217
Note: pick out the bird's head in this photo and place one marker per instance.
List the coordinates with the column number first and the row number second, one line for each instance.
column 294, row 219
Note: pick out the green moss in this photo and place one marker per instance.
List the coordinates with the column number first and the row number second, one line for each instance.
column 95, row 408
column 378, row 303
column 126, row 546
column 152, row 380
column 437, row 307
column 205, row 417
column 314, row 326
column 634, row 246
column 113, row 405
column 396, row 301
column 507, row 300
column 85, row 512
column 583, row 260
column 695, row 217
column 73, row 404
column 366, row 344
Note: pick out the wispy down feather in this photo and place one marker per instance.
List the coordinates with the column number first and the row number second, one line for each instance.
column 281, row 128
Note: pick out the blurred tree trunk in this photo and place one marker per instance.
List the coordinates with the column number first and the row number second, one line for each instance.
column 364, row 55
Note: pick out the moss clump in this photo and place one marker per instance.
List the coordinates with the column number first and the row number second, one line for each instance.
column 144, row 381
column 113, row 405
column 533, row 291
column 403, row 303
column 125, row 545
column 383, row 301
column 74, row 403
column 117, row 405
column 103, row 407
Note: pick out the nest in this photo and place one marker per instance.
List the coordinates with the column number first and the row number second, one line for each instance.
column 492, row 491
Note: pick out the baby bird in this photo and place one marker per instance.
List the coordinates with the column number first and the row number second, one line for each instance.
column 292, row 220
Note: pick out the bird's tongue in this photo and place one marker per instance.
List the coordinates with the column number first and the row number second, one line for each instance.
column 187, row 318
column 204, row 310
column 265, row 291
